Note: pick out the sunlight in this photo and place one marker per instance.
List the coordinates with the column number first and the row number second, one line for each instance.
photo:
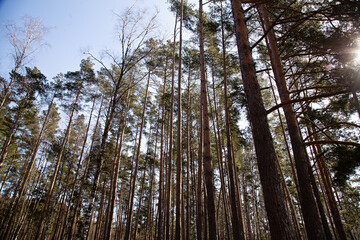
column 357, row 56
column 357, row 52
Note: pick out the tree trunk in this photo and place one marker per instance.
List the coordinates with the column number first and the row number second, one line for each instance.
column 238, row 228
column 179, row 173
column 161, row 177
column 188, row 209
column 281, row 226
column 100, row 157
column 169, row 173
column 208, row 168
column 132, row 191
column 219, row 149
column 313, row 223
column 79, row 201
column 115, row 175
column 53, row 179
column 199, row 212
column 25, row 179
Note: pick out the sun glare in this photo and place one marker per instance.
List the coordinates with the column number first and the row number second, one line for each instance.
column 357, row 55
column 357, row 52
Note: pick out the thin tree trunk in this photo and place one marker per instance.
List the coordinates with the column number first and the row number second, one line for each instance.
column 208, row 168
column 199, row 212
column 219, row 150
column 161, row 178
column 340, row 232
column 11, row 134
column 78, row 170
column 53, row 179
column 188, row 214
column 100, row 156
column 100, row 214
column 238, row 228
column 132, row 193
column 134, row 235
column 169, row 175
column 79, row 201
column 149, row 222
column 115, row 175
column 179, row 181
column 281, row 226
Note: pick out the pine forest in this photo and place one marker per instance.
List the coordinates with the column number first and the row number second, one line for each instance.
column 243, row 123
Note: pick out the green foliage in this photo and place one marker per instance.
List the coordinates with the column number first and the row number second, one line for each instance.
column 346, row 163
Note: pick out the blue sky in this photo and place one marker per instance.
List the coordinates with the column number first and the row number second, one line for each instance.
column 74, row 25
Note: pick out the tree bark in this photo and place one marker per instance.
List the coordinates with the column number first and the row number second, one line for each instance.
column 281, row 226
column 208, row 166
column 238, row 228
column 313, row 223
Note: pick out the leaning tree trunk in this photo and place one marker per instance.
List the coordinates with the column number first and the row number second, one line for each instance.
column 312, row 219
column 100, row 155
column 79, row 201
column 132, row 187
column 25, row 179
column 53, row 179
column 280, row 223
column 77, row 171
column 115, row 175
column 208, row 168
column 12, row 132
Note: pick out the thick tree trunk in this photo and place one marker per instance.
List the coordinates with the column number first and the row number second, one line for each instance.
column 281, row 226
column 208, row 168
column 313, row 223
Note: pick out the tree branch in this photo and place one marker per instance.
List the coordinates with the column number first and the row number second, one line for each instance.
column 305, row 99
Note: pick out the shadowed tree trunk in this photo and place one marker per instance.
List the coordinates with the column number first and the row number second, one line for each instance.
column 281, row 226
column 313, row 223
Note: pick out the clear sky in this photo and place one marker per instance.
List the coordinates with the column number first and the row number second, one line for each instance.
column 75, row 25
